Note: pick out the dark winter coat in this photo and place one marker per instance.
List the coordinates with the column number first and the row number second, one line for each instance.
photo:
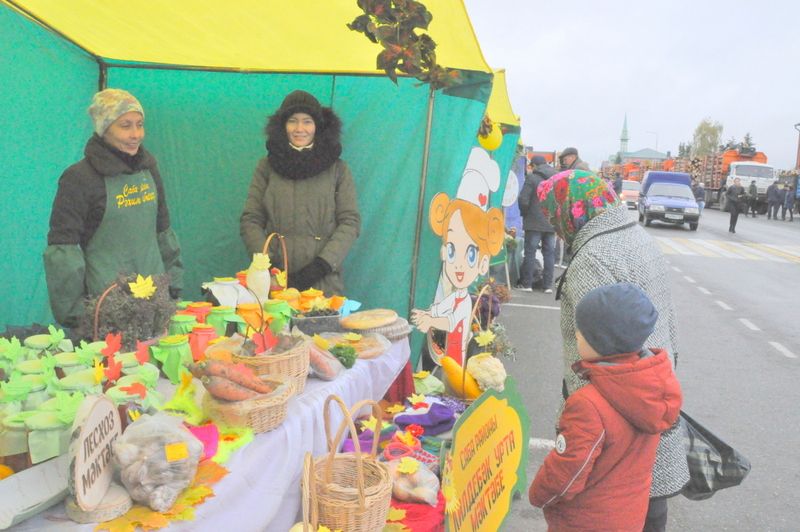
column 607, row 259
column 533, row 219
column 78, row 210
column 773, row 194
column 307, row 196
column 736, row 196
column 598, row 476
column 699, row 193
column 788, row 202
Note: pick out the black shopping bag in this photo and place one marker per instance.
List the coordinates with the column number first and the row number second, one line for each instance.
column 713, row 464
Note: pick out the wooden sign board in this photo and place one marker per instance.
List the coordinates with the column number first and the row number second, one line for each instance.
column 487, row 460
column 96, row 426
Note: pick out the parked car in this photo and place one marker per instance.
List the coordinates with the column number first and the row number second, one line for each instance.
column 630, row 193
column 668, row 198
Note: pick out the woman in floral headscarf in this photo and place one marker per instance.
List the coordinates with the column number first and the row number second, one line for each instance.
column 609, row 247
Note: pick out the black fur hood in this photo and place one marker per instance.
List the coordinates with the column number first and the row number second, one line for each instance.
column 294, row 164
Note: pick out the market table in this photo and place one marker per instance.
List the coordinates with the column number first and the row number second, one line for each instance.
column 262, row 490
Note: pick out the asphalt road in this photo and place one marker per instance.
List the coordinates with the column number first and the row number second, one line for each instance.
column 736, row 296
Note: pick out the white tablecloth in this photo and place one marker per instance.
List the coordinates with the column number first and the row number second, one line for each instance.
column 262, row 490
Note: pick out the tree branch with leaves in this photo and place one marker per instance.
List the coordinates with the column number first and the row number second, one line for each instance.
column 394, row 24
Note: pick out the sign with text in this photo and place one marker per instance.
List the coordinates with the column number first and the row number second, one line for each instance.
column 96, row 426
column 487, row 460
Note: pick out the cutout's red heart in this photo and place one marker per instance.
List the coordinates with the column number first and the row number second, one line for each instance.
column 482, row 198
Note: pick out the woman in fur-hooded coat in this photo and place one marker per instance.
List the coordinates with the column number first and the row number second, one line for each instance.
column 305, row 192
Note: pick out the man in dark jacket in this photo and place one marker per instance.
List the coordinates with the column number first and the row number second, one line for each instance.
column 752, row 200
column 569, row 160
column 736, row 201
column 788, row 204
column 537, row 229
column 773, row 201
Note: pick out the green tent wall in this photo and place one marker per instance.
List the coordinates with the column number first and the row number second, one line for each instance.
column 205, row 129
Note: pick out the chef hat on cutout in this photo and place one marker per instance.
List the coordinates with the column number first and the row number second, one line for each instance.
column 481, row 177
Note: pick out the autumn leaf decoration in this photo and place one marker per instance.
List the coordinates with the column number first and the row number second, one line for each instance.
column 484, row 338
column 142, row 352
column 114, row 369
column 113, row 344
column 393, row 24
column 143, row 287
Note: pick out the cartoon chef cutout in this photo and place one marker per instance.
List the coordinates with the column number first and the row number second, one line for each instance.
column 471, row 234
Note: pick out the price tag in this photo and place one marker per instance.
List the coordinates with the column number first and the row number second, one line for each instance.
column 176, row 451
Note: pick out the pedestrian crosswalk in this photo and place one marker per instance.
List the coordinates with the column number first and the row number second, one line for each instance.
column 729, row 250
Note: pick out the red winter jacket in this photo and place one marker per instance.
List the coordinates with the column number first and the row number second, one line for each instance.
column 598, row 476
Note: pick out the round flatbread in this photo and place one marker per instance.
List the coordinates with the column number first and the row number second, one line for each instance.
column 369, row 319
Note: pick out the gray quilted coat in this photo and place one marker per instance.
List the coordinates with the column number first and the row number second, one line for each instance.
column 628, row 255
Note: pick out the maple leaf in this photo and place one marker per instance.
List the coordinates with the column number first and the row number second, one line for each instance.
column 421, row 374
column 280, row 278
column 138, row 516
column 352, row 337
column 406, row 437
column 394, row 409
column 484, row 338
column 134, row 414
column 113, row 344
column 114, row 369
column 395, row 527
column 209, row 473
column 321, row 342
column 186, row 382
column 143, row 287
column 264, row 341
column 415, row 399
column 407, row 465
column 142, row 352
column 396, row 514
column 98, row 371
column 137, row 388
column 369, row 423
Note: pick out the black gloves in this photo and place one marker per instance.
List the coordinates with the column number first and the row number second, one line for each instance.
column 309, row 275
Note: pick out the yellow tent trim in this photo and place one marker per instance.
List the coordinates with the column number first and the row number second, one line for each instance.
column 246, row 35
column 499, row 106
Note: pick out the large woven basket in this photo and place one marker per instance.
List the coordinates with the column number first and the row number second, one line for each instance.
column 346, row 491
column 261, row 414
column 292, row 363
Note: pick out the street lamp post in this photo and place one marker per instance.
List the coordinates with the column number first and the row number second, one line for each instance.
column 797, row 160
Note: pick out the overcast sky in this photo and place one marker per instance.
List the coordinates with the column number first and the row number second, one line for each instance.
column 575, row 67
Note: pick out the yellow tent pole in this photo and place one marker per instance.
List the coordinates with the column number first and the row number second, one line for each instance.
column 421, row 201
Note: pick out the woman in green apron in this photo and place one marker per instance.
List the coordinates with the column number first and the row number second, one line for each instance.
column 110, row 214
column 304, row 191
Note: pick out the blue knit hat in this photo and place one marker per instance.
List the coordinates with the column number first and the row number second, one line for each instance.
column 616, row 318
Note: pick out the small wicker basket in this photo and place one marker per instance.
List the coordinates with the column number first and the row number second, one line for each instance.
column 346, row 491
column 292, row 363
column 261, row 414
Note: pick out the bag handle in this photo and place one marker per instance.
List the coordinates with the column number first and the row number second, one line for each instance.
column 333, row 443
column 282, row 240
column 310, row 510
column 100, row 300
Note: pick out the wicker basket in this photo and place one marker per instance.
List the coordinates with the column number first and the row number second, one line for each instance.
column 261, row 414
column 346, row 491
column 292, row 363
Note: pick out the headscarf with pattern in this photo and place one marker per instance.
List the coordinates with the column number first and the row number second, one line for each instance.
column 571, row 198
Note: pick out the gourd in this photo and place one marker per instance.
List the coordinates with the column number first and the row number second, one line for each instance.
column 455, row 375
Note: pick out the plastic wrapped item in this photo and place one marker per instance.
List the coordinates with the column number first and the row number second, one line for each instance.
column 324, row 365
column 157, row 459
column 413, row 482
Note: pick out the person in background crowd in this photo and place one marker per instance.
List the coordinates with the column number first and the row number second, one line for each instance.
column 598, row 227
column 537, row 230
column 617, row 183
column 110, row 213
column 601, row 467
column 788, row 204
column 773, row 201
column 737, row 202
column 699, row 191
column 752, row 194
column 305, row 192
column 569, row 160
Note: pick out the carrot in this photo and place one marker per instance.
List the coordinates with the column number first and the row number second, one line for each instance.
column 214, row 368
column 222, row 388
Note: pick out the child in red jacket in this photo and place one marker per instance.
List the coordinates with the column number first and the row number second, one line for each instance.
column 598, row 476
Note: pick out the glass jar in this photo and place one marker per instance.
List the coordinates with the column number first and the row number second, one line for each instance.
column 14, row 442
column 67, row 363
column 48, row 436
column 198, row 340
column 173, row 352
column 181, row 324
column 216, row 318
column 199, row 310
column 38, row 393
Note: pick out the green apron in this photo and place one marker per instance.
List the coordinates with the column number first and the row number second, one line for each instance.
column 125, row 241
